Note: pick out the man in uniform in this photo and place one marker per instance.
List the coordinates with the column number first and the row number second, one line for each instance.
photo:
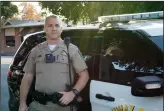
column 52, row 76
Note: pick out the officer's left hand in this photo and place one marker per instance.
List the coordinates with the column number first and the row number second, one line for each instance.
column 67, row 97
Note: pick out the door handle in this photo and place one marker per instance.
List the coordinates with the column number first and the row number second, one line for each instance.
column 108, row 98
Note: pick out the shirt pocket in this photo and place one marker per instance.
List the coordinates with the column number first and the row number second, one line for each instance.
column 62, row 63
column 39, row 64
column 62, row 58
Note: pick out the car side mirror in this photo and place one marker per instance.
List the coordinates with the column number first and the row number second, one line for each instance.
column 147, row 86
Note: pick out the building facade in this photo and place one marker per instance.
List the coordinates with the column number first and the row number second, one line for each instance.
column 12, row 33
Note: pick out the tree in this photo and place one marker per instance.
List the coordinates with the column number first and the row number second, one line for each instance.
column 92, row 10
column 7, row 10
column 138, row 7
column 70, row 10
column 95, row 9
column 29, row 12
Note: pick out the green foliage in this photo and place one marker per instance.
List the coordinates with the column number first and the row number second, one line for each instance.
column 111, row 8
column 7, row 10
column 137, row 7
column 83, row 10
column 71, row 10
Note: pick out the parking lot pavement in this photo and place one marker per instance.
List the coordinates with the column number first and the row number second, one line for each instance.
column 5, row 61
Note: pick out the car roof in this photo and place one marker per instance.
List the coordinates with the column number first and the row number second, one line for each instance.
column 151, row 27
column 149, row 22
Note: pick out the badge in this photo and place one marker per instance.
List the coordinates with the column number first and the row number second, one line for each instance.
column 63, row 52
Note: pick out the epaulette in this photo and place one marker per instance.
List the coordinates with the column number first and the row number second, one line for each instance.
column 41, row 45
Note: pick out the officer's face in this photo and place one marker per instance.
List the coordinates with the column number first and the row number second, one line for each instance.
column 53, row 29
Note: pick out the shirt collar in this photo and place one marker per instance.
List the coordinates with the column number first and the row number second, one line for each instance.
column 61, row 44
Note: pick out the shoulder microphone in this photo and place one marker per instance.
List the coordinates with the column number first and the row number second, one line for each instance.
column 67, row 40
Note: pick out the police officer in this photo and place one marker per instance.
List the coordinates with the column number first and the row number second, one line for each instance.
column 52, row 76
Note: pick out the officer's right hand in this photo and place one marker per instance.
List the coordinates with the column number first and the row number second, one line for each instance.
column 23, row 107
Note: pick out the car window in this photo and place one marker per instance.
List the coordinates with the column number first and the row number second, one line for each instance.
column 127, row 56
column 90, row 44
column 25, row 48
column 81, row 38
column 158, row 40
column 97, row 44
column 82, row 41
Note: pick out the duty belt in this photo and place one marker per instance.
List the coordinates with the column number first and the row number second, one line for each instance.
column 43, row 98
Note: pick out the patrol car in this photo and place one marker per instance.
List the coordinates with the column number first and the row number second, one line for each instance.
column 131, row 68
column 124, row 54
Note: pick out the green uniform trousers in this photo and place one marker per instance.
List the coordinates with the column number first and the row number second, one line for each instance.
column 35, row 106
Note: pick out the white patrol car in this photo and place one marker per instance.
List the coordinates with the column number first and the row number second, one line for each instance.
column 144, row 93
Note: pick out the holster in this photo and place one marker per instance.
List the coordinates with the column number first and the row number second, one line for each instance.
column 43, row 98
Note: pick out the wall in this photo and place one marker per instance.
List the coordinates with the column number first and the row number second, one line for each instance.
column 18, row 33
column 9, row 32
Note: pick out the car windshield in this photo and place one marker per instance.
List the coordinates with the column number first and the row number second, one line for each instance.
column 158, row 40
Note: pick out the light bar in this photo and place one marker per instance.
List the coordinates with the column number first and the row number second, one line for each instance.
column 128, row 17
column 153, row 86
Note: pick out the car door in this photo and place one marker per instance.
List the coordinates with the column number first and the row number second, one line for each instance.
column 124, row 58
column 124, row 100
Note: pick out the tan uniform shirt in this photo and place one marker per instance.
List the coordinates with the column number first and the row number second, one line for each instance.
column 53, row 77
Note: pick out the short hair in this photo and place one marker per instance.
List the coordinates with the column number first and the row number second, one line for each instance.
column 53, row 16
